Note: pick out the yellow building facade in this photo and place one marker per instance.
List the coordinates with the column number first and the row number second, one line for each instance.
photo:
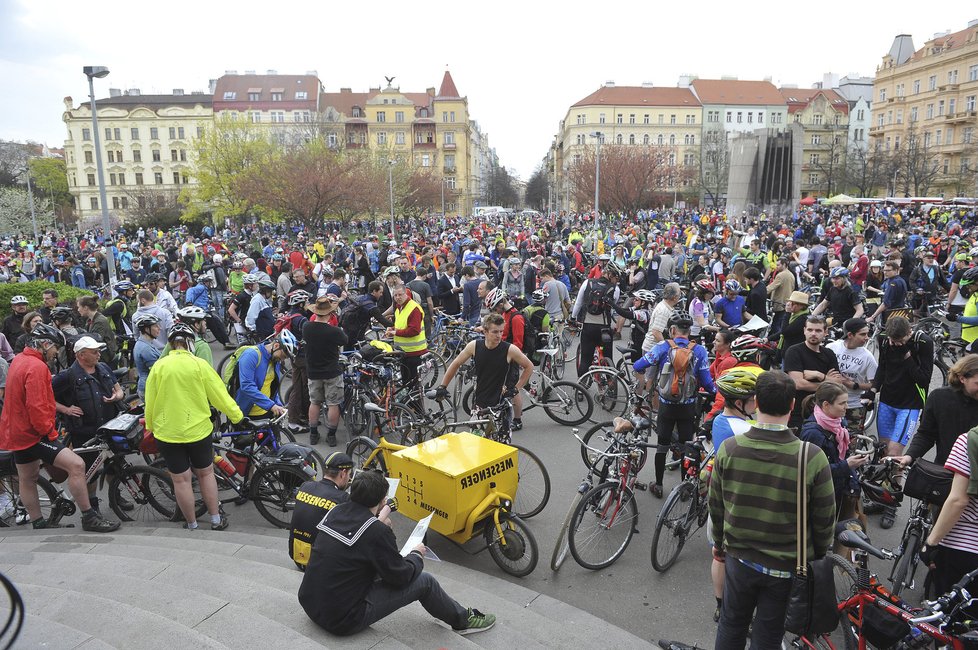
column 822, row 118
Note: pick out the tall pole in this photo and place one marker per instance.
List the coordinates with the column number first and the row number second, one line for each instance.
column 597, row 176
column 30, row 200
column 390, row 180
column 103, row 202
column 443, row 198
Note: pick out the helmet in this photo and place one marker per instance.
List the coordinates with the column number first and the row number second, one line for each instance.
column 493, row 298
column 277, row 257
column 45, row 332
column 737, row 383
column 969, row 278
column 266, row 283
column 236, row 265
column 839, row 272
column 206, row 277
column 917, row 252
column 878, row 263
column 124, row 285
column 62, row 314
column 680, row 319
column 249, row 278
column 18, row 300
column 604, row 258
column 705, row 286
column 141, row 320
column 644, row 295
column 973, row 252
column 732, row 285
column 153, row 277
column 288, row 341
column 299, row 297
column 877, row 493
column 726, row 251
column 292, row 451
column 961, row 257
column 191, row 314
column 744, row 347
column 180, row 330
column 614, row 267
column 389, row 271
column 218, row 258
column 538, row 296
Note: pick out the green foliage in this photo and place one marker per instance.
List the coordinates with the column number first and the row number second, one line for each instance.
column 536, row 194
column 50, row 179
column 34, row 292
column 15, row 212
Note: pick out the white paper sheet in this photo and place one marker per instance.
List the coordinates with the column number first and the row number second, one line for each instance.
column 416, row 537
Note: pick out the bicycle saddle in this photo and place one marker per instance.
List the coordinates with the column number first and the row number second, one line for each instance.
column 120, row 372
column 624, row 349
column 623, row 425
column 370, row 407
column 858, row 539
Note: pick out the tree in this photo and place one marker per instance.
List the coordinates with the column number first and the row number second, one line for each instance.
column 714, row 167
column 917, row 163
column 499, row 188
column 417, row 190
column 153, row 207
column 632, row 177
column 536, row 190
column 830, row 163
column 867, row 171
column 49, row 177
column 15, row 212
column 13, row 160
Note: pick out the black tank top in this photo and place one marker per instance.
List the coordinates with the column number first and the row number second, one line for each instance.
column 491, row 368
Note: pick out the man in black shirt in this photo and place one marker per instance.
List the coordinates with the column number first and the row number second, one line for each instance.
column 809, row 364
column 842, row 300
column 313, row 500
column 325, row 378
column 356, row 576
column 757, row 298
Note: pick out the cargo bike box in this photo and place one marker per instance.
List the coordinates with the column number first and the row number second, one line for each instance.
column 450, row 476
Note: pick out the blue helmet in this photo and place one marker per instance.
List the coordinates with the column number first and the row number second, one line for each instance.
column 839, row 272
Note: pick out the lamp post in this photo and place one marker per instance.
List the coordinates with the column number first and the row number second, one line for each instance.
column 30, row 200
column 93, row 72
column 597, row 135
column 390, row 180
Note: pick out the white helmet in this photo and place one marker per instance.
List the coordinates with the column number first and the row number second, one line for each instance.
column 249, row 278
column 218, row 258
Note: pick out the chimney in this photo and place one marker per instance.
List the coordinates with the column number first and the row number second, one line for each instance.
column 346, row 90
column 115, row 92
column 728, row 77
column 249, row 72
column 178, row 91
column 69, row 103
column 973, row 23
column 133, row 92
column 197, row 92
column 768, row 78
column 212, row 86
column 609, row 84
column 646, row 84
column 312, row 73
column 230, row 72
column 272, row 72
column 684, row 81
column 431, row 92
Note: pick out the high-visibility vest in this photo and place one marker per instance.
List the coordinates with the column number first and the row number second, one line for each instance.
column 409, row 343
column 970, row 332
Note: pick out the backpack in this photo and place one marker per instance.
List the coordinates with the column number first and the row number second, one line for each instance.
column 530, row 333
column 284, row 321
column 353, row 319
column 677, row 382
column 230, row 373
column 599, row 296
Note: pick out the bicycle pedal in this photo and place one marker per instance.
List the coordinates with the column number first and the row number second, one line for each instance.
column 641, row 486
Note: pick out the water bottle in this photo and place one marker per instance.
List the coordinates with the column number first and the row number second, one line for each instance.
column 225, row 465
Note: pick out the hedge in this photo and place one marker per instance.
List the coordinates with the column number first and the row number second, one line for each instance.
column 34, row 291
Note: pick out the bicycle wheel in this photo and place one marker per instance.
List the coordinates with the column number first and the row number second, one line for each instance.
column 845, row 587
column 567, row 403
column 273, row 489
column 608, row 389
column 149, row 492
column 903, row 563
column 562, row 545
column 405, row 425
column 595, row 437
column 603, row 525
column 12, row 510
column 519, row 555
column 533, row 486
column 359, row 449
column 672, row 526
column 432, row 367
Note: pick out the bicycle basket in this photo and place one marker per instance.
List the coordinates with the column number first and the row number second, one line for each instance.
column 928, row 482
column 124, row 433
column 882, row 629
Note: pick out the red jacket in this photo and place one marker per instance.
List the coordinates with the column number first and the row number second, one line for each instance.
column 513, row 330
column 28, row 408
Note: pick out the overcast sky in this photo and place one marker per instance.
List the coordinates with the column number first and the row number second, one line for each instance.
column 521, row 64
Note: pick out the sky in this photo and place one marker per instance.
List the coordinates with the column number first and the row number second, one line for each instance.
column 520, row 64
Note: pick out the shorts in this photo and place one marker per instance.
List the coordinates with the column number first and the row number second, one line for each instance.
column 896, row 424
column 181, row 456
column 44, row 451
column 326, row 391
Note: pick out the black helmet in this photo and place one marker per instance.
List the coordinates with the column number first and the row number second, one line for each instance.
column 62, row 314
column 680, row 319
column 970, row 277
column 45, row 332
column 153, row 277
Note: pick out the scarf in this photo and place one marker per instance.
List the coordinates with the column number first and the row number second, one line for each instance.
column 833, row 425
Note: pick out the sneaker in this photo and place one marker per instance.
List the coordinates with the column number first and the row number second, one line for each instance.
column 656, row 490
column 516, row 425
column 331, row 441
column 229, row 346
column 222, row 525
column 888, row 518
column 186, row 526
column 96, row 523
column 124, row 504
column 871, row 507
column 314, row 438
column 478, row 622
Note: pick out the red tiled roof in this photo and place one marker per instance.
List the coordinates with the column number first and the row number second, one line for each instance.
column 265, row 84
column 344, row 101
column 736, row 92
column 799, row 98
column 448, row 89
column 639, row 96
column 949, row 42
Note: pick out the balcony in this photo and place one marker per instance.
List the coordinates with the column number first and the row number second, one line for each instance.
column 449, row 146
column 450, row 170
column 427, row 144
column 960, row 116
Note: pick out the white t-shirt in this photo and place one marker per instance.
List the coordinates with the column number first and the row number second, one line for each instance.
column 964, row 534
column 802, row 256
column 857, row 364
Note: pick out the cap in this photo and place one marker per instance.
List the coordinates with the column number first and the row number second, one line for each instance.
column 338, row 460
column 87, row 343
column 800, row 297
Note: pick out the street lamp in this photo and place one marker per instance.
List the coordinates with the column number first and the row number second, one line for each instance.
column 30, row 200
column 99, row 72
column 390, row 180
column 598, row 136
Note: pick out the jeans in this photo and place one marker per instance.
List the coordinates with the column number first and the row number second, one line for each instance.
column 383, row 600
column 750, row 594
column 777, row 324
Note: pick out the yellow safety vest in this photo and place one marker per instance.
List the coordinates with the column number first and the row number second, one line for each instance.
column 409, row 343
column 970, row 332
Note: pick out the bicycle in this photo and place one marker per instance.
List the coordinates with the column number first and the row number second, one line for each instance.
column 685, row 510
column 611, row 391
column 564, row 402
column 511, row 544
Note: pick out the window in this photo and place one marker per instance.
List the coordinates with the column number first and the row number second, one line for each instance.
column 449, row 137
column 158, row 177
column 813, row 179
column 580, row 139
column 740, row 117
column 662, row 118
column 645, row 119
column 450, row 182
column 729, row 117
column 631, row 118
column 816, row 139
column 276, row 97
column 672, row 138
column 645, row 139
column 949, row 136
column 952, row 78
column 115, row 202
column 689, row 160
column 932, row 82
column 817, row 119
column 399, row 137
column 899, row 117
column 672, row 119
column 750, row 117
column 777, row 118
column 916, row 87
column 450, row 161
column 381, row 116
column 913, row 114
column 600, row 118
column 230, row 95
column 134, row 133
column 108, row 133
column 357, row 112
column 154, row 133
column 180, row 133
column 86, row 134
column 660, row 140
column 813, row 159
column 879, row 120
column 937, row 137
column 930, row 111
column 973, row 73
column 137, row 155
column 940, row 107
column 173, row 132
column 969, row 103
column 156, row 155
column 686, row 139
column 861, row 114
column 278, row 117
column 882, row 94
column 965, row 165
column 94, row 203
column 254, row 97
column 581, row 119
column 896, row 142
column 176, row 178
column 382, row 137
column 88, row 157
column 899, row 90
column 425, row 160
column 91, row 179
column 139, row 178
column 399, row 117
column 951, row 104
column 255, row 117
column 200, row 132
column 618, row 139
column 889, row 117
column 183, row 155
column 927, row 139
column 173, row 155
column 857, row 135
column 947, row 165
column 631, row 139
column 619, row 119
column 690, row 119
column 331, row 140
column 301, row 94
column 114, row 179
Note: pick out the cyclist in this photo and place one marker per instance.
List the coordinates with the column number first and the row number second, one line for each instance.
column 967, row 315
column 147, row 305
column 95, row 323
column 259, row 370
column 495, row 361
column 180, row 391
column 361, row 311
column 729, row 309
column 313, row 500
column 659, row 317
column 323, row 343
column 27, row 428
column 13, row 324
column 155, row 283
column 858, row 368
column 238, row 308
column 894, row 292
column 196, row 319
column 640, row 315
column 199, row 295
column 119, row 310
column 145, row 353
column 842, row 301
column 593, row 305
column 261, row 317
column 514, row 331
column 679, row 368
column 746, row 350
column 408, row 332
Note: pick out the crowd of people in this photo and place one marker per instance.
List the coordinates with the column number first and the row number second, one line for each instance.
column 729, row 319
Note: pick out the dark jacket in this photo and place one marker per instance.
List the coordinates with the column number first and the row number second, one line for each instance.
column 450, row 302
column 75, row 387
column 948, row 413
column 844, row 479
column 352, row 550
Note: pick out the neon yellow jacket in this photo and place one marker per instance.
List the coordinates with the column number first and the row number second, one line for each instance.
column 180, row 390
